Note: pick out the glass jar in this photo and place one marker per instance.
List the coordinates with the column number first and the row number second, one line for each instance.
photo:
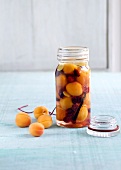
column 103, row 126
column 72, row 77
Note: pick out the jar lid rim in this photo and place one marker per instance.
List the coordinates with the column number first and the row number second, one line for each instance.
column 73, row 52
column 73, row 49
column 103, row 126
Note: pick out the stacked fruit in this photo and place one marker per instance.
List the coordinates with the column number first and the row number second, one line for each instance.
column 43, row 120
column 72, row 95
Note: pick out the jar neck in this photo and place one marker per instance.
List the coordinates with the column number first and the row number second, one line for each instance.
column 73, row 61
column 78, row 63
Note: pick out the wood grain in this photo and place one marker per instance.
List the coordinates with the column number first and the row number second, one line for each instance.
column 31, row 32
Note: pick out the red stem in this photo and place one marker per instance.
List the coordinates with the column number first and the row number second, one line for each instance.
column 52, row 113
column 20, row 108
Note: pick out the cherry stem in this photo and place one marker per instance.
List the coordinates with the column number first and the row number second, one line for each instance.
column 77, row 112
column 52, row 113
column 20, row 108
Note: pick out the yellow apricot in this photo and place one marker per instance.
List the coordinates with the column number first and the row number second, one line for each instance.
column 83, row 113
column 40, row 110
column 66, row 103
column 46, row 120
column 60, row 113
column 69, row 68
column 61, row 81
column 66, row 94
column 74, row 88
column 36, row 129
column 84, row 77
column 60, row 67
column 22, row 119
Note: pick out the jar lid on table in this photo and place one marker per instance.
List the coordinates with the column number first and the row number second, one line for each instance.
column 103, row 126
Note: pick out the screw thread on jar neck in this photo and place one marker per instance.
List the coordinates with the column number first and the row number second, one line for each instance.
column 73, row 54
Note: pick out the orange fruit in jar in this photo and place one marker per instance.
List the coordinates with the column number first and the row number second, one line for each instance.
column 66, row 94
column 69, row 68
column 83, row 113
column 60, row 113
column 60, row 67
column 74, row 89
column 84, row 77
column 61, row 81
column 66, row 103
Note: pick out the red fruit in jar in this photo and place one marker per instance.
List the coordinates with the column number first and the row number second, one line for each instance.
column 77, row 99
column 86, row 89
column 76, row 72
column 69, row 116
column 71, row 78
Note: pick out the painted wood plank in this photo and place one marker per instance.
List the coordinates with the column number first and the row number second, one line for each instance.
column 15, row 35
column 31, row 32
column 65, row 22
column 114, row 35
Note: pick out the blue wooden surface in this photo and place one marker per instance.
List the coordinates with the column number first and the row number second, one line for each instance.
column 58, row 148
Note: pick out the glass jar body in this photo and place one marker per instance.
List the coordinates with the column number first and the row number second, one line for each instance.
column 73, row 106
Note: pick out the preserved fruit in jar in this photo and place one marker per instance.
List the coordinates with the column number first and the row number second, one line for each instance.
column 72, row 77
